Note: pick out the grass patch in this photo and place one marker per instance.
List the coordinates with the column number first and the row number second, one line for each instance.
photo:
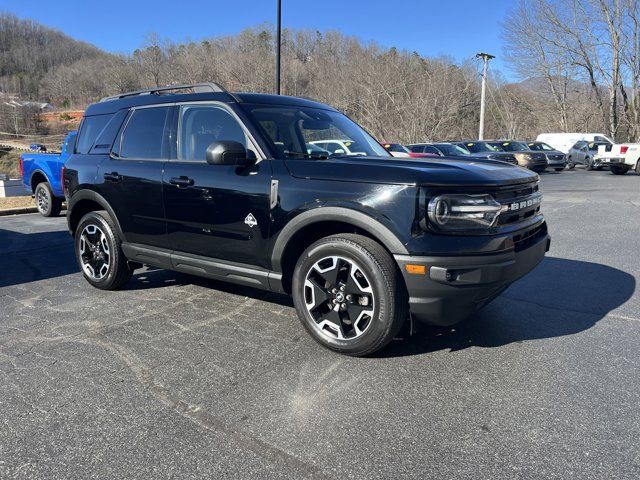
column 8, row 203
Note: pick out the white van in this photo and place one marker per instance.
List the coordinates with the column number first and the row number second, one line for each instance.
column 564, row 141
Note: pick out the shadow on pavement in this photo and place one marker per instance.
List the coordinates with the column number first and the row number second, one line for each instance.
column 560, row 297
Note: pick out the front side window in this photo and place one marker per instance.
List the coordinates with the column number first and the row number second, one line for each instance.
column 290, row 129
column 144, row 135
column 450, row 149
column 539, row 146
column 201, row 125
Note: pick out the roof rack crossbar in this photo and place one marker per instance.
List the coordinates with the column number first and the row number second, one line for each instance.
column 196, row 87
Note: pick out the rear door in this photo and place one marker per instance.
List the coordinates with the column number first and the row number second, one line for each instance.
column 132, row 175
column 220, row 212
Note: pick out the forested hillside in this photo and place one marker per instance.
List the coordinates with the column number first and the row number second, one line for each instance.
column 30, row 51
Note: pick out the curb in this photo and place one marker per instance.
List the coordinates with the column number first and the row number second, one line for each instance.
column 16, row 211
column 21, row 210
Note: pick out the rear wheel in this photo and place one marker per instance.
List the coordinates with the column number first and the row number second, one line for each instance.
column 638, row 167
column 619, row 170
column 349, row 295
column 99, row 253
column 46, row 203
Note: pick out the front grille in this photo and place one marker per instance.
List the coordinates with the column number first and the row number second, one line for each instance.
column 556, row 157
column 517, row 200
column 530, row 237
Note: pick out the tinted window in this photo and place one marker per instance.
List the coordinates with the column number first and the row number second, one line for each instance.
column 201, row 125
column 143, row 136
column 430, row 149
column 416, row 148
column 91, row 128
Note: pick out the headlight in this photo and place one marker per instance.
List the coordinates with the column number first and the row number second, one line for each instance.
column 463, row 212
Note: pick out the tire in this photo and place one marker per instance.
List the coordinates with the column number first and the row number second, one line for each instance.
column 559, row 169
column 570, row 163
column 340, row 269
column 638, row 167
column 587, row 164
column 98, row 250
column 46, row 203
column 619, row 170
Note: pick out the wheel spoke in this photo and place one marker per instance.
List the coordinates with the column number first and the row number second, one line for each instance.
column 333, row 317
column 319, row 295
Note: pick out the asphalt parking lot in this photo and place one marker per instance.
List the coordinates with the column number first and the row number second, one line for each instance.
column 181, row 377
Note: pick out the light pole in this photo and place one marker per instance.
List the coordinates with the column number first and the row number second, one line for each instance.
column 278, row 44
column 485, row 57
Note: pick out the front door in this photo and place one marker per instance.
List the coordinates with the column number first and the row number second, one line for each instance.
column 216, row 211
column 132, row 175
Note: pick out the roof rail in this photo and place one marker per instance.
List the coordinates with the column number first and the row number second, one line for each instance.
column 196, row 87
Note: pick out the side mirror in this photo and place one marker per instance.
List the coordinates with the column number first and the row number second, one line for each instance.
column 229, row 153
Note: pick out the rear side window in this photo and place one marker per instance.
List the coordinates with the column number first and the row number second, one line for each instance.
column 91, row 128
column 144, row 135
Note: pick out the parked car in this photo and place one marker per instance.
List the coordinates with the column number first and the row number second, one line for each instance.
column 400, row 151
column 526, row 158
column 41, row 176
column 194, row 182
column 621, row 157
column 479, row 148
column 443, row 149
column 585, row 153
column 564, row 141
column 555, row 158
column 37, row 147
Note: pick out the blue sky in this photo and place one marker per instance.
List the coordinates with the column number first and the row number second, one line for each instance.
column 457, row 28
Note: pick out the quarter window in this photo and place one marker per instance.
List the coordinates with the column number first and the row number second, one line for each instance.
column 144, row 137
column 201, row 125
column 91, row 128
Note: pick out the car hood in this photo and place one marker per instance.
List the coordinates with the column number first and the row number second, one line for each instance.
column 408, row 171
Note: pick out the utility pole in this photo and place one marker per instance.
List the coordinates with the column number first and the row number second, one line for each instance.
column 278, row 44
column 485, row 57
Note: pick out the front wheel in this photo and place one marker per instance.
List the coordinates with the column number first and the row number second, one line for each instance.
column 587, row 164
column 559, row 169
column 570, row 163
column 349, row 294
column 46, row 203
column 619, row 170
column 99, row 253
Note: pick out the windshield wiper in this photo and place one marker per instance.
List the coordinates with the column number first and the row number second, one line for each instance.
column 315, row 156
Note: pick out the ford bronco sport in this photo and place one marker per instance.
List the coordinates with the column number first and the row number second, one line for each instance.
column 223, row 185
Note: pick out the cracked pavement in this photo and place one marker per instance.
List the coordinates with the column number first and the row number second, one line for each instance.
column 177, row 376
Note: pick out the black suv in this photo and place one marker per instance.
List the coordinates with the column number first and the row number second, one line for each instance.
column 231, row 186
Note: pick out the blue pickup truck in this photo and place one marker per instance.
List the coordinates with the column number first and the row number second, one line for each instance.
column 41, row 176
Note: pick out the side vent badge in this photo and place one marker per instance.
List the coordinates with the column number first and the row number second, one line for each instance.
column 251, row 220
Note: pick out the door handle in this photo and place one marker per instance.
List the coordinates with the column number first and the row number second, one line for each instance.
column 181, row 182
column 112, row 177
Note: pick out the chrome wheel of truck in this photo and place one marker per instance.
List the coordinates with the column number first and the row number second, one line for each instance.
column 46, row 203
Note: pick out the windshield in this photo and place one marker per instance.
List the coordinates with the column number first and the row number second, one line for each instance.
column 477, row 147
column 510, row 146
column 302, row 132
column 539, row 146
column 450, row 149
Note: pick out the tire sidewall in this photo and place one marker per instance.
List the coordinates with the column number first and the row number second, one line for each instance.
column 93, row 218
column 382, row 316
column 45, row 188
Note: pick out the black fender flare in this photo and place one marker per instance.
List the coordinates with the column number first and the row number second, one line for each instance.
column 40, row 171
column 340, row 214
column 97, row 198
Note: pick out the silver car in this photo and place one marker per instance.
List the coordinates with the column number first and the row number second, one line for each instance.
column 584, row 153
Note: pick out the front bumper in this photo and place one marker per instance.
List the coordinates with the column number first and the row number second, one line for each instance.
column 453, row 288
